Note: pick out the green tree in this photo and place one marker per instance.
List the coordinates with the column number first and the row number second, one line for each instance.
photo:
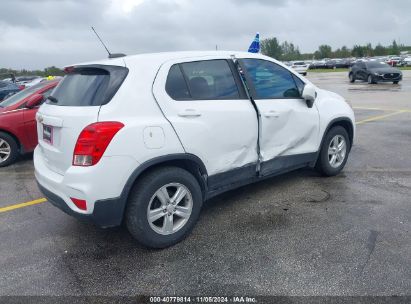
column 368, row 50
column 395, row 50
column 53, row 71
column 345, row 52
column 357, row 51
column 290, row 52
column 324, row 51
column 380, row 50
column 272, row 48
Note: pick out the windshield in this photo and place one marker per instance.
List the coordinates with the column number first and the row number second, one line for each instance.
column 16, row 98
column 377, row 64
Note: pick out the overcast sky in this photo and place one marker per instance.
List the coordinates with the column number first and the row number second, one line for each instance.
column 40, row 33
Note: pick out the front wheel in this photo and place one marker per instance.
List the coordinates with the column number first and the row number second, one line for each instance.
column 163, row 207
column 9, row 150
column 334, row 152
column 395, row 82
column 352, row 77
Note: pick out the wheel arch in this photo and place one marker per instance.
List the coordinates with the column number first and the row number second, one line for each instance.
column 344, row 122
column 186, row 161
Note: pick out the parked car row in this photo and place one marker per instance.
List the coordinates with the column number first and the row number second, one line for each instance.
column 8, row 88
column 332, row 63
column 327, row 63
column 18, row 132
column 28, row 81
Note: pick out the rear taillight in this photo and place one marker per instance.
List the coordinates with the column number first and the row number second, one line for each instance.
column 93, row 141
column 22, row 87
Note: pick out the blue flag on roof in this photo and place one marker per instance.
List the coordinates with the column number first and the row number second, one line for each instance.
column 255, row 45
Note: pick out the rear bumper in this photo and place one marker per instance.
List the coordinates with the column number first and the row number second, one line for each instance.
column 106, row 213
column 101, row 186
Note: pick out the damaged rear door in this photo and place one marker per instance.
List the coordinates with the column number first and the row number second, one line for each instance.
column 205, row 102
column 289, row 129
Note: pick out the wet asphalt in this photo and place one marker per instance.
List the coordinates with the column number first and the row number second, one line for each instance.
column 296, row 234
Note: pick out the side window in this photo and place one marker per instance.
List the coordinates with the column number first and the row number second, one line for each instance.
column 271, row 80
column 300, row 84
column 210, row 79
column 176, row 86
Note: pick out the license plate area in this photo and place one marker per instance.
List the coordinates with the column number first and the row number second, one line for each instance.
column 48, row 134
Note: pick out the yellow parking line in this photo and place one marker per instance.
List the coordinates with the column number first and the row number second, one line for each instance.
column 379, row 117
column 379, row 109
column 22, row 205
column 369, row 108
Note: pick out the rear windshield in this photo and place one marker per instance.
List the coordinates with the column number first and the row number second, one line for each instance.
column 88, row 86
column 377, row 64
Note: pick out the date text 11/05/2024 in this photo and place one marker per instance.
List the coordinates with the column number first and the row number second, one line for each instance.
column 175, row 299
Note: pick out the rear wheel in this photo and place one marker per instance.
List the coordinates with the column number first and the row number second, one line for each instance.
column 334, row 152
column 352, row 77
column 395, row 82
column 9, row 150
column 163, row 207
column 371, row 79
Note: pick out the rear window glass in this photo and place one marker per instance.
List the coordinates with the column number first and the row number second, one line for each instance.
column 88, row 86
column 210, row 79
column 176, row 86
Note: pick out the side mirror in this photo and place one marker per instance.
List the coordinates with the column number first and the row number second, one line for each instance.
column 309, row 95
column 34, row 101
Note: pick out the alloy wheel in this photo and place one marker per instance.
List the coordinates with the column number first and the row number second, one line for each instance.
column 337, row 151
column 5, row 150
column 170, row 208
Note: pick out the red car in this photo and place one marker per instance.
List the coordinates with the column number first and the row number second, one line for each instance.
column 18, row 131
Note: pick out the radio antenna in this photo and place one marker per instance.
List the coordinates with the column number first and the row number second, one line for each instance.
column 110, row 55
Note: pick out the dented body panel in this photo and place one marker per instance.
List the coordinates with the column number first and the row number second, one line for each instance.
column 288, row 127
column 222, row 133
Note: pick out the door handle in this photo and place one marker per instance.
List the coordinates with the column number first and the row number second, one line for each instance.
column 189, row 113
column 272, row 114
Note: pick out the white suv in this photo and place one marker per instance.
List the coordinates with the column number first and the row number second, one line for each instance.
column 148, row 138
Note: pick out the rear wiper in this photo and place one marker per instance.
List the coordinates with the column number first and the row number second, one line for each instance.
column 52, row 99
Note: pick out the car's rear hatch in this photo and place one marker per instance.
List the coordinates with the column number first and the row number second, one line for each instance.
column 73, row 105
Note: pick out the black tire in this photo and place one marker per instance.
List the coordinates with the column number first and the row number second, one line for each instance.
column 395, row 82
column 351, row 77
column 323, row 163
column 371, row 80
column 10, row 143
column 143, row 191
column 304, row 74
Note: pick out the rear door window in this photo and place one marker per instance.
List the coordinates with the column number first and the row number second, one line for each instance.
column 176, row 85
column 88, row 86
column 205, row 80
